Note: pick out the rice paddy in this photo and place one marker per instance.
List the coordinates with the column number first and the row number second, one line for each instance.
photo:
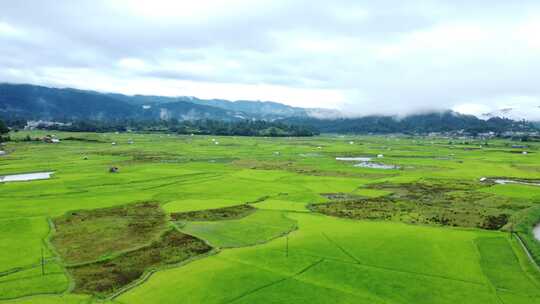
column 268, row 220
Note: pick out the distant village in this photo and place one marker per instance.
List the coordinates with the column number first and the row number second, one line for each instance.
column 515, row 135
column 41, row 124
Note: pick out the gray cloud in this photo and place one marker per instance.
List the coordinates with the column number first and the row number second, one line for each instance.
column 364, row 56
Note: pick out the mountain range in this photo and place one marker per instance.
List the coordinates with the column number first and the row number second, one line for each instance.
column 31, row 102
column 24, row 101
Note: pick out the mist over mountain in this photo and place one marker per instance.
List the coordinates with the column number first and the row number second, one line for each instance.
column 243, row 109
column 38, row 102
column 515, row 113
column 24, row 101
column 30, row 102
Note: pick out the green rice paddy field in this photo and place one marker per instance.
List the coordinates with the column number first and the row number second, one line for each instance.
column 206, row 219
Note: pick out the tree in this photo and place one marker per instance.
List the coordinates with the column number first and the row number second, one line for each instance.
column 3, row 128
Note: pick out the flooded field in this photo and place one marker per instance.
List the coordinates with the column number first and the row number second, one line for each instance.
column 376, row 166
column 521, row 182
column 360, row 159
column 25, row 177
column 366, row 162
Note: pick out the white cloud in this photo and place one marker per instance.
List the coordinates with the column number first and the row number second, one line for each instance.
column 473, row 109
column 515, row 107
column 366, row 57
column 8, row 30
column 132, row 63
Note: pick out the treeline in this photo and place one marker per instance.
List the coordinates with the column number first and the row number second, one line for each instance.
column 242, row 128
column 4, row 130
column 199, row 127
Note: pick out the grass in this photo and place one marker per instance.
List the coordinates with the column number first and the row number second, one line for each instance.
column 401, row 246
column 499, row 262
column 20, row 256
column 53, row 281
column 24, row 237
column 256, row 228
column 526, row 221
column 51, row 299
column 282, row 204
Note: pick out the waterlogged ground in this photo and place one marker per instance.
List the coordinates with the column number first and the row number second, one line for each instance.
column 269, row 220
column 25, row 177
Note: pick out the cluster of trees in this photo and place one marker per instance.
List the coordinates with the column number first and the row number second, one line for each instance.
column 203, row 127
column 4, row 130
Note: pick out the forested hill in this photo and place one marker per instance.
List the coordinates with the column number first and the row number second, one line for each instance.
column 37, row 102
column 103, row 111
column 447, row 121
column 22, row 101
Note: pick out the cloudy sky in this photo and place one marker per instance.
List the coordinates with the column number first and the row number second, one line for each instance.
column 365, row 57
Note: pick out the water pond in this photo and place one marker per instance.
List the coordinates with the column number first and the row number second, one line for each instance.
column 361, row 159
column 510, row 181
column 365, row 162
column 25, row 177
column 376, row 166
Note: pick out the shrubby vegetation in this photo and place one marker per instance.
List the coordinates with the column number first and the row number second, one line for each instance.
column 226, row 213
column 432, row 202
column 125, row 242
